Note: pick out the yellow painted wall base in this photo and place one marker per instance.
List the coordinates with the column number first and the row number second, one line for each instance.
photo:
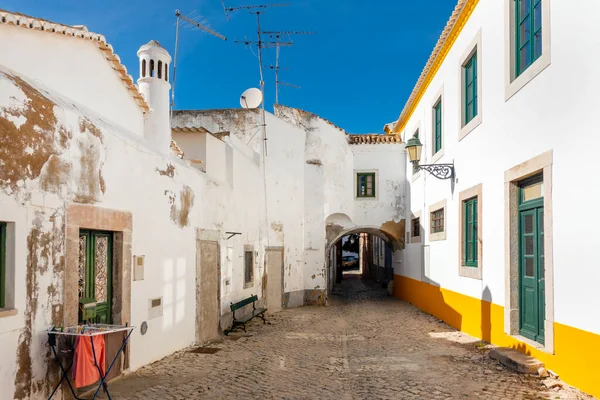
column 576, row 352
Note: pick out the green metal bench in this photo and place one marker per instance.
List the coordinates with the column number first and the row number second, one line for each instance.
column 256, row 312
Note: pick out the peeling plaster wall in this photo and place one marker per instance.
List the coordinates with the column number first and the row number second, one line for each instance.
column 75, row 68
column 88, row 160
column 387, row 210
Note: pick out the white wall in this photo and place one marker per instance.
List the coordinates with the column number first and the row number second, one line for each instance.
column 75, row 68
column 388, row 162
column 132, row 182
column 554, row 111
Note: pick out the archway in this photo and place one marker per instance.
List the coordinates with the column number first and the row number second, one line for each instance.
column 359, row 253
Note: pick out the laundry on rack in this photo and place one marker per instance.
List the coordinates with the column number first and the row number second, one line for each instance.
column 85, row 371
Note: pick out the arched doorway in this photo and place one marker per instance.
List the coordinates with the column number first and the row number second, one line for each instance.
column 362, row 255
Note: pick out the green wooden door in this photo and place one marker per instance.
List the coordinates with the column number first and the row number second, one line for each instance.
column 532, row 304
column 95, row 276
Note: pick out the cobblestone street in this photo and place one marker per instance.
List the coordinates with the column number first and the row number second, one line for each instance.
column 365, row 346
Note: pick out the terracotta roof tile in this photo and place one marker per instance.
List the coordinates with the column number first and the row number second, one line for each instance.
column 374, row 139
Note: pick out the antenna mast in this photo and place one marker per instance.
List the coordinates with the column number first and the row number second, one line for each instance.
column 190, row 22
column 278, row 35
column 257, row 10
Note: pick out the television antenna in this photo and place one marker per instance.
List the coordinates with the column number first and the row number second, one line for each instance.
column 257, row 10
column 188, row 21
column 278, row 43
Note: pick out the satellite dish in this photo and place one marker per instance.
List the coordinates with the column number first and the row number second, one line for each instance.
column 251, row 98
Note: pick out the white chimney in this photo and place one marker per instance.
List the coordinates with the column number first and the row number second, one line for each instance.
column 154, row 86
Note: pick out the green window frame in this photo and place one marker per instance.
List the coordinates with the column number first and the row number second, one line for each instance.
column 365, row 184
column 528, row 33
column 2, row 264
column 416, row 227
column 248, row 266
column 437, row 126
column 470, row 88
column 470, row 239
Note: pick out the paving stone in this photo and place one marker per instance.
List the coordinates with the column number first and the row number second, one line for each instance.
column 516, row 360
column 358, row 348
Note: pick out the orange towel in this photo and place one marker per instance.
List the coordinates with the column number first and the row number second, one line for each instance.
column 85, row 371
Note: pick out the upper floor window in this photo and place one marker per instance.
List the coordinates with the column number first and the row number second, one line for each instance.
column 365, row 184
column 470, row 88
column 437, row 126
column 527, row 42
column 528, row 33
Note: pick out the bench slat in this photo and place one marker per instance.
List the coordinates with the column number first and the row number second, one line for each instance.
column 242, row 303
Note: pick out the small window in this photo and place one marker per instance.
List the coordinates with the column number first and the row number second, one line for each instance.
column 160, row 70
column 528, row 33
column 143, row 68
column 437, row 126
column 365, row 184
column 248, row 267
column 416, row 227
column 470, row 89
column 415, row 166
column 151, row 74
column 470, row 239
column 2, row 265
column 437, row 221
column 166, row 72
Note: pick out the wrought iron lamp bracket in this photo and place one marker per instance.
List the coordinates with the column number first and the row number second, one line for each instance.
column 440, row 171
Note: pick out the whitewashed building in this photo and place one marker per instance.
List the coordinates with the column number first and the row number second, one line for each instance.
column 508, row 96
column 98, row 204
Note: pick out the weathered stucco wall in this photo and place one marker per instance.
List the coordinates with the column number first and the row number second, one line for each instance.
column 57, row 156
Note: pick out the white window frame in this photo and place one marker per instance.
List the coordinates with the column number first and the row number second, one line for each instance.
column 512, row 83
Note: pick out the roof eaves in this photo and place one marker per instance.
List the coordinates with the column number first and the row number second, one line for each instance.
column 375, row 139
column 460, row 15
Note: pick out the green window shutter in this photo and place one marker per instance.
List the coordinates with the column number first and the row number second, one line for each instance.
column 470, row 89
column 2, row 264
column 365, row 184
column 470, row 232
column 528, row 33
column 437, row 126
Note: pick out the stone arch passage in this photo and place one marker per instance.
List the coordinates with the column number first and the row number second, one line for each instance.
column 376, row 247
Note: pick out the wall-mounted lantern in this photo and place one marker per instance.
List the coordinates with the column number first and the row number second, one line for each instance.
column 440, row 171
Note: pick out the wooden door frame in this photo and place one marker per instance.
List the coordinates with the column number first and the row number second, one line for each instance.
column 100, row 219
column 266, row 290
column 120, row 223
column 90, row 246
column 211, row 236
column 541, row 164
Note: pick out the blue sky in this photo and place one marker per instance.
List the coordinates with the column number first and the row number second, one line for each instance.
column 357, row 70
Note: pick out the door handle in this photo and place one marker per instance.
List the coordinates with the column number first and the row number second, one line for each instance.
column 540, row 280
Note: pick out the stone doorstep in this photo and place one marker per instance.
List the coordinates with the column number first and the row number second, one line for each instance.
column 516, row 360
